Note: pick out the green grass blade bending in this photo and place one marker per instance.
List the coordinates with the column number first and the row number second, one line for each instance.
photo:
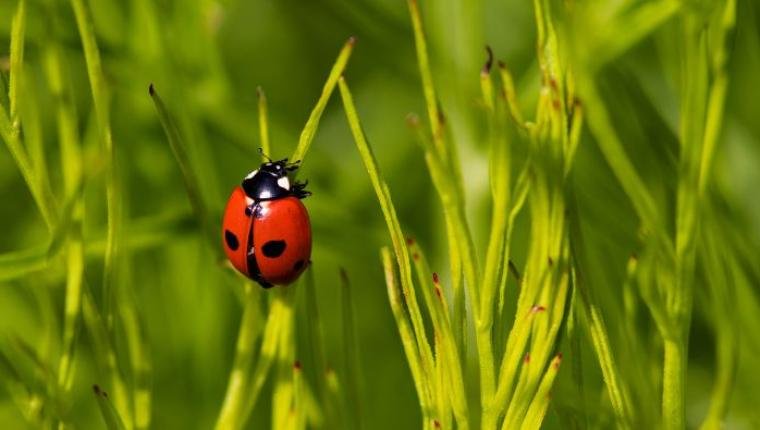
column 394, row 227
column 408, row 341
column 189, row 177
column 310, row 129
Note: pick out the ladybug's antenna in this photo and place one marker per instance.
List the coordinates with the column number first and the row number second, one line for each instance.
column 261, row 151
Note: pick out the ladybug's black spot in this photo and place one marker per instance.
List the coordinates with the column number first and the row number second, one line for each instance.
column 298, row 266
column 274, row 248
column 231, row 240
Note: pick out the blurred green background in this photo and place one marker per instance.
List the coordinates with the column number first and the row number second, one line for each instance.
column 207, row 58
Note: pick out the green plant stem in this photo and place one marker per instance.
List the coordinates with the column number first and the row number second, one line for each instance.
column 18, row 28
column 110, row 414
column 448, row 357
column 189, row 177
column 540, row 403
column 394, row 227
column 106, row 355
column 113, row 187
column 617, row 388
column 315, row 340
column 612, row 148
column 263, row 124
column 242, row 387
column 283, row 392
column 407, row 336
column 10, row 123
column 674, row 385
column 445, row 171
column 139, row 358
column 350, row 354
column 71, row 166
column 310, row 129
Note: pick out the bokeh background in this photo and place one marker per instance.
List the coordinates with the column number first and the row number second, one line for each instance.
column 207, row 58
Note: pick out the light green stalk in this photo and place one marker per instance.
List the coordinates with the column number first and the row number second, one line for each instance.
column 350, row 354
column 263, row 123
column 310, row 129
column 10, row 123
column 394, row 228
column 407, row 337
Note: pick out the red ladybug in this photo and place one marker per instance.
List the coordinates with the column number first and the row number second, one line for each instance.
column 266, row 232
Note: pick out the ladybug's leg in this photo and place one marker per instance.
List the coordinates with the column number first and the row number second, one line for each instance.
column 298, row 190
column 292, row 167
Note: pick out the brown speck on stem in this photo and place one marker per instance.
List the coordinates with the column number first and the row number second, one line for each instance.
column 513, row 270
column 557, row 361
column 151, row 89
column 489, row 61
column 526, row 360
column 343, row 276
column 553, row 84
column 96, row 389
column 416, row 256
column 536, row 309
column 551, row 262
column 436, row 424
column 352, row 40
column 297, row 365
column 413, row 120
column 555, row 104
column 441, row 115
column 435, row 278
column 410, row 240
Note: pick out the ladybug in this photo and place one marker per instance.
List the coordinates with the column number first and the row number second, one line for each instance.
column 266, row 232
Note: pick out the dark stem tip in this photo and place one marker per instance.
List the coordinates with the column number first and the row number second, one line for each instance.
column 489, row 61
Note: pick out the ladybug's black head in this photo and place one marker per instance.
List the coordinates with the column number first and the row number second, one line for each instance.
column 271, row 181
column 277, row 169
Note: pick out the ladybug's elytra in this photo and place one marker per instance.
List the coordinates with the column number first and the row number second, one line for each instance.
column 266, row 232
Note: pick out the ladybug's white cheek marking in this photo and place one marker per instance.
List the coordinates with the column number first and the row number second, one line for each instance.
column 284, row 183
column 252, row 174
column 249, row 201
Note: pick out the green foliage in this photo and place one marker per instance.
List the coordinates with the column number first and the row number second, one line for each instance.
column 573, row 230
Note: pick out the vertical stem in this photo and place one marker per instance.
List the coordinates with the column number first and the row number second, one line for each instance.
column 674, row 384
column 237, row 387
